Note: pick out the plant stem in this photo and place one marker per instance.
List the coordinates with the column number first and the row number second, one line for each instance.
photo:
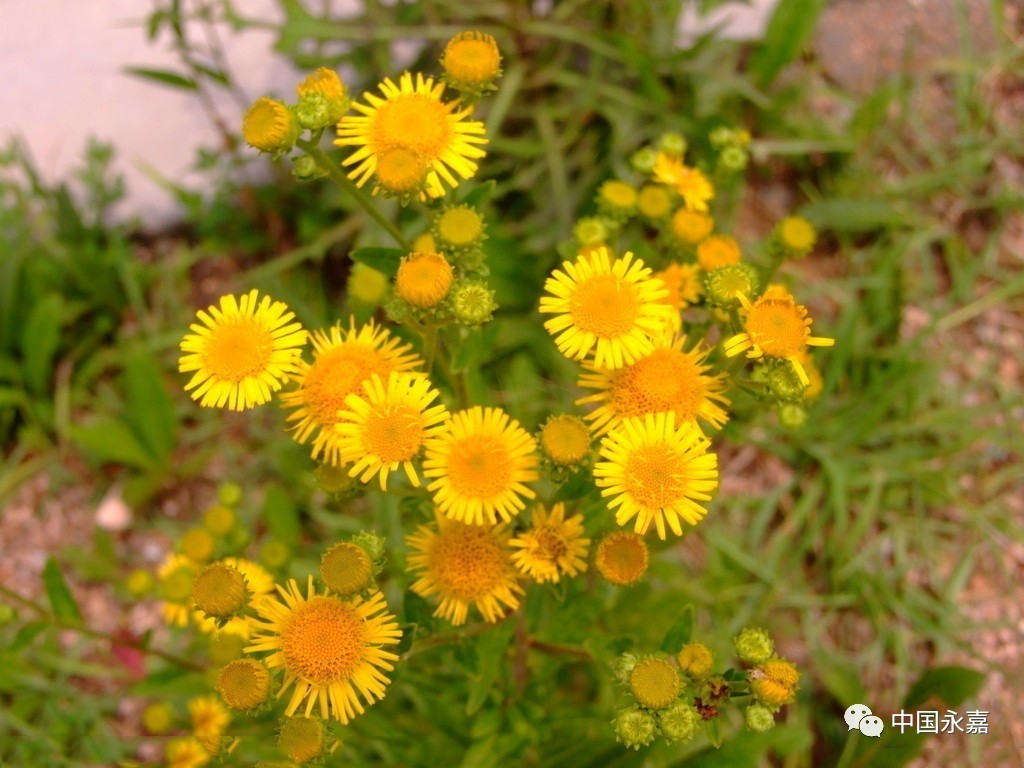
column 333, row 170
column 556, row 649
column 430, row 344
column 77, row 626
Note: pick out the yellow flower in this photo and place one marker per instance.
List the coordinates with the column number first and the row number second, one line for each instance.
column 655, row 683
column 383, row 428
column 776, row 328
column 325, row 85
column 690, row 183
column 690, row 227
column 412, row 117
column 342, row 361
column 185, row 753
column 241, row 352
column 466, row 565
column 197, row 544
column 459, row 226
column 219, row 520
column 244, row 684
column 617, row 198
column 565, row 440
column 797, row 235
column 209, row 721
column 424, row 279
column 331, row 650
column 683, row 283
column 481, row 461
column 654, row 201
column 774, row 682
column 611, row 307
column 471, row 60
column 696, row 660
column 367, row 285
column 269, row 126
column 158, row 718
column 668, row 380
column 718, row 251
column 657, row 470
column 302, row 738
column 622, row 557
column 219, row 590
column 424, row 243
column 176, row 574
column 551, row 546
column 259, row 583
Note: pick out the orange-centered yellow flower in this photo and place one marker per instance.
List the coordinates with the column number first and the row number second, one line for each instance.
column 241, row 351
column 466, row 565
column 412, row 120
column 668, row 380
column 342, row 361
column 610, row 307
column 691, row 184
column 657, row 470
column 552, row 546
column 331, row 650
column 776, row 327
column 385, row 427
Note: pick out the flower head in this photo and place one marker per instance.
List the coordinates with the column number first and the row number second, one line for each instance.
column 465, row 565
column 302, row 738
column 209, row 721
column 696, row 660
column 384, row 427
column 565, row 440
column 367, row 285
column 241, row 351
column 692, row 185
column 679, row 722
column 654, row 201
column 471, row 62
column 657, row 470
column 668, row 380
column 331, row 650
column 690, row 227
column 219, row 590
column 459, row 227
column 472, row 302
column 622, row 557
column 424, row 279
column 611, row 307
column 346, row 569
column 683, row 284
column 342, row 362
column 258, row 582
column 754, row 645
column 617, row 199
column 718, row 251
column 655, row 682
column 412, row 119
column 796, row 235
column 776, row 327
column 185, row 752
column 635, row 727
column 269, row 126
column 481, row 463
column 551, row 546
column 244, row 684
column 774, row 682
column 176, row 575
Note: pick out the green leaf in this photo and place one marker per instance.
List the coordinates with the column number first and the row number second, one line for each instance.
column 40, row 337
column 61, row 599
column 281, row 515
column 953, row 685
column 164, row 77
column 385, row 260
column 111, row 441
column 150, row 405
column 26, row 635
column 788, row 30
column 490, row 647
column 680, row 632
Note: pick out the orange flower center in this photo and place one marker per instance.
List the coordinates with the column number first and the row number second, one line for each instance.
column 394, row 433
column 414, row 121
column 323, row 640
column 778, row 327
column 238, row 350
column 653, row 476
column 666, row 380
column 604, row 305
column 479, row 467
column 335, row 374
column 467, row 562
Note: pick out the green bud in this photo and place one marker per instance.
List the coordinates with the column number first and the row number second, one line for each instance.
column 672, row 144
column 229, row 494
column 372, row 543
column 305, row 168
column 785, row 384
column 792, row 416
column 623, row 666
column 313, row 112
column 679, row 722
column 760, row 718
column 472, row 302
column 722, row 137
column 643, row 160
column 634, row 727
column 753, row 645
column 723, row 285
column 590, row 231
column 696, row 660
column 733, row 159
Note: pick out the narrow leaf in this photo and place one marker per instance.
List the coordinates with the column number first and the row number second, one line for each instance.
column 61, row 599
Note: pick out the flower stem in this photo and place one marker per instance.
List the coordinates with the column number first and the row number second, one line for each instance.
column 77, row 626
column 333, row 170
column 430, row 344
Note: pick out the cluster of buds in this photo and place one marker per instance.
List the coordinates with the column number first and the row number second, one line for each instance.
column 732, row 145
column 672, row 697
